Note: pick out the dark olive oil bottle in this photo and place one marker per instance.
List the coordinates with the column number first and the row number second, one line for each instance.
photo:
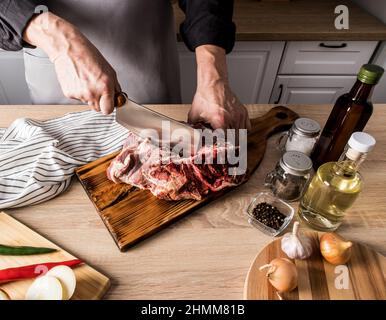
column 350, row 114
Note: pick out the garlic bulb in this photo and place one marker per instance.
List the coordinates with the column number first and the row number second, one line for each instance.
column 295, row 245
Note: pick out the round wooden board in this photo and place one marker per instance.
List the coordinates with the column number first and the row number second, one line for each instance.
column 317, row 277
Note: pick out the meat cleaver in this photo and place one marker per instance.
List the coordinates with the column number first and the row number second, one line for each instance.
column 162, row 130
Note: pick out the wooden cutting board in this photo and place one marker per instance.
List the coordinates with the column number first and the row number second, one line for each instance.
column 366, row 270
column 91, row 284
column 131, row 214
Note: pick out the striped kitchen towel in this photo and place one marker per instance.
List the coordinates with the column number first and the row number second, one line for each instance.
column 38, row 158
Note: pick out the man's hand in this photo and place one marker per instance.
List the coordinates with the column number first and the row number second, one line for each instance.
column 214, row 101
column 82, row 71
column 218, row 106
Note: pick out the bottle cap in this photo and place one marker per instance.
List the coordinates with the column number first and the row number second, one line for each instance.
column 361, row 142
column 370, row 73
column 306, row 127
column 296, row 163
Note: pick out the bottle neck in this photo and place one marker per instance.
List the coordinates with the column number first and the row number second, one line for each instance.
column 350, row 162
column 361, row 91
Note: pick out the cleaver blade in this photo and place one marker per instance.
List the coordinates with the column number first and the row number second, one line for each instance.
column 162, row 130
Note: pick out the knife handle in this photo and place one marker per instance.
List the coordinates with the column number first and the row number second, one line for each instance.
column 120, row 99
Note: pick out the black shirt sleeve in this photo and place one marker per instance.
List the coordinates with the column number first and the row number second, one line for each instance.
column 14, row 16
column 208, row 22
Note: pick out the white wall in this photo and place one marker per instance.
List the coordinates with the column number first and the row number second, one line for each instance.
column 375, row 7
column 378, row 9
column 380, row 59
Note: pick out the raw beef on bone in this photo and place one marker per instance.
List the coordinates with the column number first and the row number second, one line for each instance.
column 169, row 176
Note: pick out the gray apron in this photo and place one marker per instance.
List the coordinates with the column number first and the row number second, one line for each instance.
column 137, row 37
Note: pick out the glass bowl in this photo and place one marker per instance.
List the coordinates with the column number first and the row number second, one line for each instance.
column 281, row 205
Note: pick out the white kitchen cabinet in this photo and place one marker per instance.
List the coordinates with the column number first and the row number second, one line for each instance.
column 319, row 89
column 326, row 57
column 252, row 69
column 318, row 72
column 13, row 88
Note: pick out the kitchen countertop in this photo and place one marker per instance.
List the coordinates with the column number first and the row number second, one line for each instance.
column 207, row 254
column 300, row 20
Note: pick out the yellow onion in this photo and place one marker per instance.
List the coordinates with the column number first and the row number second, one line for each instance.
column 335, row 249
column 282, row 274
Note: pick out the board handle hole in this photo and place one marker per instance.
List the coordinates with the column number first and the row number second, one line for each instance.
column 281, row 115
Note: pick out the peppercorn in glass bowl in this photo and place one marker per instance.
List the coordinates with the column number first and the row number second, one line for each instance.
column 269, row 214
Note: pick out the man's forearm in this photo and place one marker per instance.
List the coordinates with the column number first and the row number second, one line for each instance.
column 211, row 65
column 51, row 33
column 214, row 101
column 82, row 71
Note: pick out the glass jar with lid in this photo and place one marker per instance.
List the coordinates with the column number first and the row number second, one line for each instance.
column 290, row 176
column 302, row 136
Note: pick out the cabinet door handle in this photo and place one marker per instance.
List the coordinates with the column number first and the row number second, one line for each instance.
column 333, row 46
column 281, row 87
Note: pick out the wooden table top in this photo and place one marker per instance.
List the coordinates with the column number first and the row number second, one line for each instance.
column 301, row 20
column 207, row 254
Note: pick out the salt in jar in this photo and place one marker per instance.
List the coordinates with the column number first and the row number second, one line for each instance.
column 302, row 136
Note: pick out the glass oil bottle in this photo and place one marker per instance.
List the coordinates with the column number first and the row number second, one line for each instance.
column 350, row 114
column 335, row 186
